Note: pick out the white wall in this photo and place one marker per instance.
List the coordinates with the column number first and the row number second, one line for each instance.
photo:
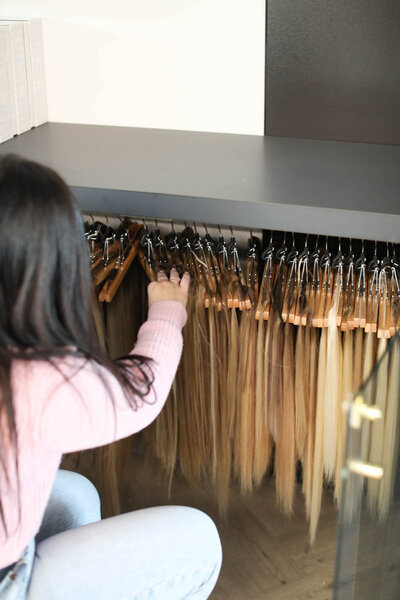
column 173, row 64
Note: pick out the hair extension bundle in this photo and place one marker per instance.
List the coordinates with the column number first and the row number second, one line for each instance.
column 244, row 446
column 369, row 356
column 391, row 434
column 262, row 441
column 274, row 360
column 347, row 388
column 226, row 410
column 193, row 414
column 332, row 392
column 358, row 358
column 377, row 439
column 308, row 460
column 318, row 471
column 301, row 390
column 285, row 450
column 164, row 437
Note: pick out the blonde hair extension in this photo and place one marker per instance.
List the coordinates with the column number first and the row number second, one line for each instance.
column 332, row 392
column 358, row 358
column 262, row 441
column 347, row 388
column 274, row 376
column 301, row 391
column 308, row 462
column 377, row 430
column 369, row 355
column 226, row 411
column 317, row 476
column 285, row 451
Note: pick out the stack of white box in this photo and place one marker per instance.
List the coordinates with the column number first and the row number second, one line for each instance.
column 23, row 101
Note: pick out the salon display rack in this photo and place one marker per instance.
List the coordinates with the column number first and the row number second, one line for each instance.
column 310, row 186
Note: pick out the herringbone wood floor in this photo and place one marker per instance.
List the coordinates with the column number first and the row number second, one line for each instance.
column 266, row 555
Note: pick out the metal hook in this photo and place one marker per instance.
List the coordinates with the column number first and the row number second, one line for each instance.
column 205, row 227
column 326, row 243
column 271, row 235
column 230, row 227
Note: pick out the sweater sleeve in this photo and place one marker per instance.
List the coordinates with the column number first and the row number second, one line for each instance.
column 91, row 409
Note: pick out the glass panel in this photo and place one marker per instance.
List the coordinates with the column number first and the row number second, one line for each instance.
column 368, row 545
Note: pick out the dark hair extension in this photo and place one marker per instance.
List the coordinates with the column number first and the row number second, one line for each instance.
column 46, row 289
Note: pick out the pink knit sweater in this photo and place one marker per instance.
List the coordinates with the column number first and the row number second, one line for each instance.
column 54, row 417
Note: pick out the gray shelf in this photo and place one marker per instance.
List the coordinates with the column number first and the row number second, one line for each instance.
column 331, row 188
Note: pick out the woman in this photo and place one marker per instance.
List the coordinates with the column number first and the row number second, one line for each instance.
column 60, row 393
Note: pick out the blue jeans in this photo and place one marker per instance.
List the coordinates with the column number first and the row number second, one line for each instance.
column 162, row 553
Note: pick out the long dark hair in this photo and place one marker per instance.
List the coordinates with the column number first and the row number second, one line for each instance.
column 46, row 289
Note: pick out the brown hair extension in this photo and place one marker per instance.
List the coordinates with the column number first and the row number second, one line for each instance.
column 245, row 415
column 117, row 325
column 317, row 476
column 285, row 451
column 274, row 360
column 301, row 390
column 377, row 439
column 390, row 438
column 192, row 409
column 308, row 460
column 347, row 388
column 262, row 441
column 164, row 442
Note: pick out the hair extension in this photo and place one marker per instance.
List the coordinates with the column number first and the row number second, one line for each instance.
column 317, row 476
column 377, row 439
column 226, row 412
column 369, row 355
column 390, row 437
column 232, row 371
column 274, row 376
column 332, row 392
column 308, row 461
column 301, row 391
column 262, row 442
column 358, row 358
column 245, row 414
column 285, row 451
column 194, row 436
column 347, row 388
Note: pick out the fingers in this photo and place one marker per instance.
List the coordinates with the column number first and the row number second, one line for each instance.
column 185, row 281
column 161, row 276
column 174, row 277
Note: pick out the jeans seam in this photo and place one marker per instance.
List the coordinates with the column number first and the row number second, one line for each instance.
column 178, row 576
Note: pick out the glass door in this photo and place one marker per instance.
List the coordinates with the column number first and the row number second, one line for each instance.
column 368, row 544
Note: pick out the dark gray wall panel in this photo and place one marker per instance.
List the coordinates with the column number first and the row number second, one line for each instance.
column 333, row 70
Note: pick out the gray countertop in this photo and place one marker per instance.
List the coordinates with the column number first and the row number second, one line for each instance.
column 310, row 186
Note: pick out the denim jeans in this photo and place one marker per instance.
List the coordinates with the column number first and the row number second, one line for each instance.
column 161, row 553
